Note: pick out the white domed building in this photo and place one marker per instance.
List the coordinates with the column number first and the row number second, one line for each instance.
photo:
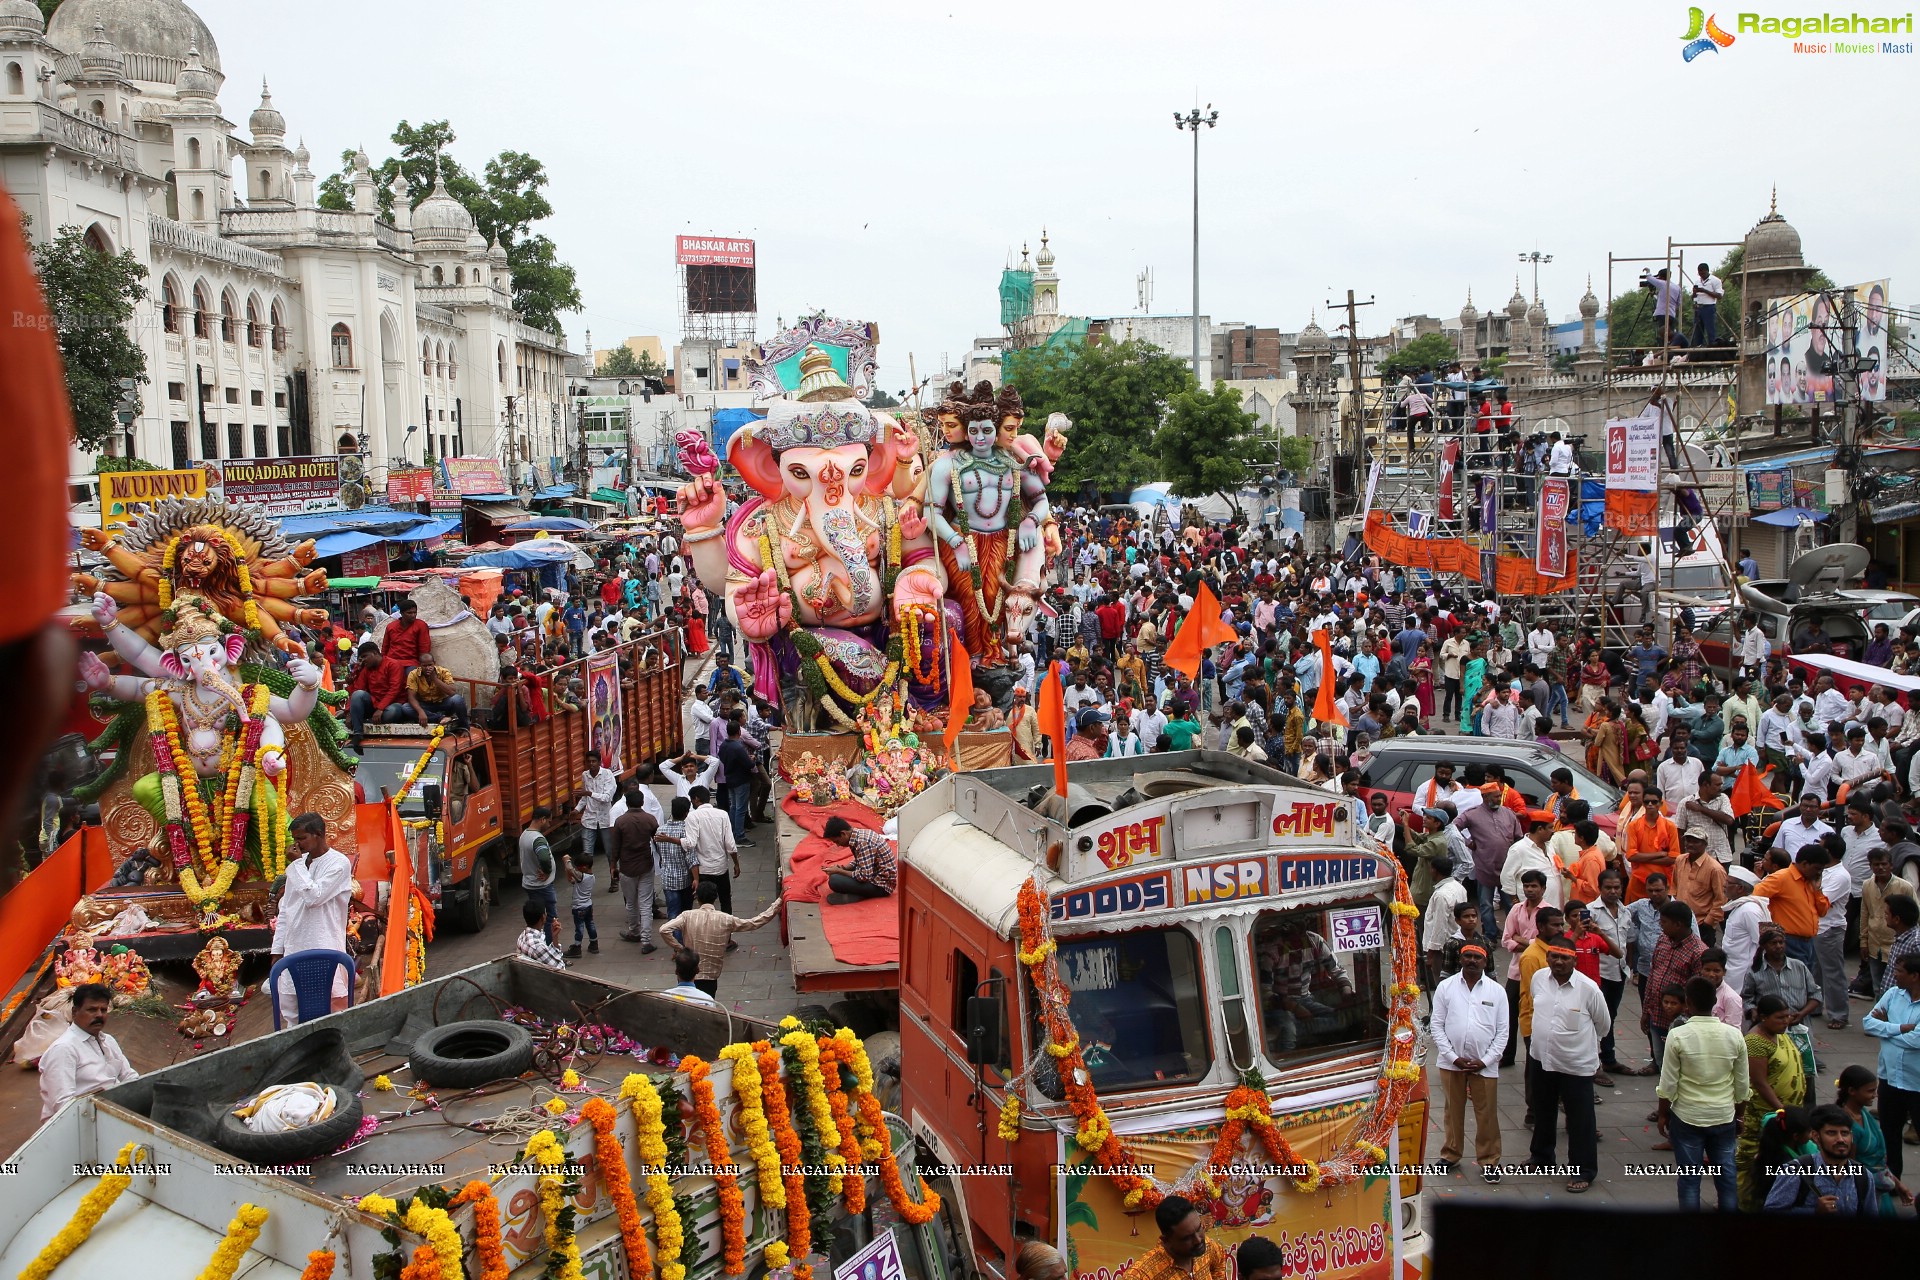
column 274, row 328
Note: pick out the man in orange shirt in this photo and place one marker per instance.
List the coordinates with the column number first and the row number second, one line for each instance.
column 1589, row 864
column 1498, row 791
column 1649, row 842
column 1700, row 882
column 1796, row 901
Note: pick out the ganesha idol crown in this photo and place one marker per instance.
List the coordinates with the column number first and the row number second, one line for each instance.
column 822, row 414
column 195, row 619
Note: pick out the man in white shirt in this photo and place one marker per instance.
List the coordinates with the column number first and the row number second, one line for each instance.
column 690, row 771
column 1804, row 828
column 1569, row 1019
column 85, row 1059
column 313, row 907
column 1740, row 928
column 1707, row 292
column 600, row 785
column 1856, row 764
column 708, row 840
column 1755, row 648
column 1529, row 853
column 1678, row 776
column 702, row 713
column 1560, row 459
column 1539, row 646
column 1469, row 1029
column 1830, row 706
column 1829, row 944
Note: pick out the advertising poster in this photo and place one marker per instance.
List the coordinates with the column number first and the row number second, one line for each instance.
column 1550, row 544
column 121, row 492
column 1806, row 343
column 1875, row 339
column 475, row 475
column 406, row 488
column 1769, row 490
column 879, row 1260
column 284, row 486
column 1633, row 461
column 603, row 707
column 1330, row 1235
column 364, row 562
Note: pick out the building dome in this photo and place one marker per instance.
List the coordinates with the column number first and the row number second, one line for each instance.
column 1773, row 244
column 497, row 253
column 154, row 35
column 1313, row 338
column 1517, row 304
column 1536, row 314
column 1589, row 305
column 476, row 244
column 266, row 124
column 100, row 56
column 1044, row 258
column 1469, row 313
column 195, row 82
column 21, row 15
column 440, row 221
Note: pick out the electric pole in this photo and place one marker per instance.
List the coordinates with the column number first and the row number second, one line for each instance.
column 1193, row 120
column 1358, row 423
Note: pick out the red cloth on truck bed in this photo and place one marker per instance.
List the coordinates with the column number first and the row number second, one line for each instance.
column 865, row 932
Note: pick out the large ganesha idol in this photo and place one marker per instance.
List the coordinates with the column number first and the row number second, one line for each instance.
column 826, row 568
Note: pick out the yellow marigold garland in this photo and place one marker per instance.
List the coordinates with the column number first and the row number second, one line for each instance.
column 799, row 1239
column 753, row 1121
column 563, row 1247
column 853, row 1185
column 873, row 1141
column 651, row 1147
column 93, row 1206
column 733, row 1240
column 487, row 1243
column 612, row 1164
column 241, row 1233
column 436, row 1227
column 807, row 1049
column 1010, row 1119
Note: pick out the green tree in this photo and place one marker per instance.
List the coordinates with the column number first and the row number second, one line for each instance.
column 620, row 363
column 1296, row 454
column 882, row 400
column 1116, row 393
column 91, row 296
column 1428, row 351
column 1208, row 442
column 506, row 199
column 47, row 7
column 106, row 464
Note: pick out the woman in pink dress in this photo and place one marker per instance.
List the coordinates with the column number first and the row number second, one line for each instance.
column 1422, row 668
column 697, row 622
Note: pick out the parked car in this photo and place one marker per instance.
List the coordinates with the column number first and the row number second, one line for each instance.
column 1890, row 607
column 1401, row 765
column 1814, row 590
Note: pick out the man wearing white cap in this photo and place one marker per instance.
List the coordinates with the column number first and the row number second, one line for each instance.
column 1740, row 928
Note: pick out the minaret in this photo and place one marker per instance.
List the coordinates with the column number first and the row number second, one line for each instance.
column 1590, row 365
column 1469, row 333
column 268, row 162
column 200, row 139
column 1517, row 343
column 1539, row 357
column 1046, row 288
column 365, row 199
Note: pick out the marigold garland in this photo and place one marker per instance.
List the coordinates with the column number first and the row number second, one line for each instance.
column 651, row 1147
column 425, row 1265
column 319, row 1265
column 93, row 1206
column 436, row 1227
column 556, row 1211
column 487, row 1243
column 753, row 1120
column 873, row 1141
column 733, row 1240
column 612, row 1164
column 806, row 1049
column 242, row 1231
column 799, row 1239
column 1010, row 1119
column 853, row 1184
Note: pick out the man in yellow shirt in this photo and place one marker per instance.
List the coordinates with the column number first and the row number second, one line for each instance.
column 1184, row 1252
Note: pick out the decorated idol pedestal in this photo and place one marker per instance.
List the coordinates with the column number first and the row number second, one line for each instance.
column 216, row 723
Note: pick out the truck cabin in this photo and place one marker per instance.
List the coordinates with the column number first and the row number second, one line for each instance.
column 1211, row 915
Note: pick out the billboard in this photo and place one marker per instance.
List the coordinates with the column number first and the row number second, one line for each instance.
column 712, row 251
column 1550, row 545
column 716, row 290
column 1806, row 345
column 405, row 487
column 121, row 492
column 474, row 475
column 1633, row 468
column 284, row 486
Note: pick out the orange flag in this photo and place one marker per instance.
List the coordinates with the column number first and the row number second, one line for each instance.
column 1750, row 793
column 1053, row 722
column 1199, row 631
column 960, row 691
column 1326, row 703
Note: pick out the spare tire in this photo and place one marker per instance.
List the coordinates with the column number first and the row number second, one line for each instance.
column 296, row 1146
column 463, row 1055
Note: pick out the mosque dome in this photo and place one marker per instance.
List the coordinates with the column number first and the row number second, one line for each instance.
column 21, row 15
column 1313, row 338
column 154, row 35
column 195, row 81
column 440, row 221
column 101, row 56
column 266, row 123
column 1773, row 244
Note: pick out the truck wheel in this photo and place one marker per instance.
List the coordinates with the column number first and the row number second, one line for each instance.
column 476, row 906
column 296, row 1146
column 463, row 1055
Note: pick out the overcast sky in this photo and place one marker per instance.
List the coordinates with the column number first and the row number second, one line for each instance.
column 889, row 157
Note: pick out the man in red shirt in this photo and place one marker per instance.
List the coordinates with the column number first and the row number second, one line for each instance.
column 377, row 684
column 406, row 639
column 610, row 592
column 1113, row 624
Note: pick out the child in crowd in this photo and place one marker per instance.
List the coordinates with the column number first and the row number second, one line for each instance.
column 581, row 875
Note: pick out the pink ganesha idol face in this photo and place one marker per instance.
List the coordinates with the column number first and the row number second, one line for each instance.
column 824, row 477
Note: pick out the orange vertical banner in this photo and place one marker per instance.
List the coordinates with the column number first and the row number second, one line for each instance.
column 1053, row 723
column 959, row 690
column 393, row 962
column 1326, row 704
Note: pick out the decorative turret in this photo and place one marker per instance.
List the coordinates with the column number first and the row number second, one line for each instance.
column 365, row 199
column 268, row 126
column 1469, row 331
column 402, row 193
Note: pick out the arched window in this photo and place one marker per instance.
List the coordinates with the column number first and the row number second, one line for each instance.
column 342, row 347
column 459, row 275
column 199, row 206
column 453, row 365
column 440, row 358
column 439, row 275
column 193, row 153
column 16, row 80
column 279, row 327
column 500, row 358
column 229, row 322
column 99, row 109
column 202, row 309
column 170, row 305
column 98, row 242
column 348, row 444
column 253, row 320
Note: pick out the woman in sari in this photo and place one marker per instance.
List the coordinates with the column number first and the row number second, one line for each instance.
column 1859, row 1087
column 696, row 621
column 1686, row 661
column 1636, row 744
column 1473, row 674
column 1594, row 680
column 1779, row 1081
column 1422, row 669
column 1604, row 754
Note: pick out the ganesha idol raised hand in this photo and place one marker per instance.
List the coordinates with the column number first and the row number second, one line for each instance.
column 806, row 566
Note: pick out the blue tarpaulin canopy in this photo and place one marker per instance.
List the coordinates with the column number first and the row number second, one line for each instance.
column 335, row 544
column 1788, row 517
column 425, row 532
column 555, row 491
column 527, row 555
column 728, row 421
column 365, row 520
column 552, row 524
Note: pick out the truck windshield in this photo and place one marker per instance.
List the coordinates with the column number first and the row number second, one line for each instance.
column 384, row 767
column 1138, row 1007
column 1315, row 995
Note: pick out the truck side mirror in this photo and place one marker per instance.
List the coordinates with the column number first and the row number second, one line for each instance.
column 430, row 800
column 983, row 1030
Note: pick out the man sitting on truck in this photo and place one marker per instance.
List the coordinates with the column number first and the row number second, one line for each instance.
column 378, row 687
column 408, row 639
column 871, row 869
column 433, row 698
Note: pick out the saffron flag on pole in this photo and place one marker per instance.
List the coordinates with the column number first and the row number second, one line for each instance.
column 960, row 690
column 1750, row 793
column 1326, row 703
column 1053, row 723
column 1199, row 631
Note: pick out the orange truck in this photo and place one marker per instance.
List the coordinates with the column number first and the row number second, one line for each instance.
column 1212, row 919
column 484, row 784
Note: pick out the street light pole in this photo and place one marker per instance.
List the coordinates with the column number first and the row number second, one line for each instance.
column 1536, row 258
column 1193, row 120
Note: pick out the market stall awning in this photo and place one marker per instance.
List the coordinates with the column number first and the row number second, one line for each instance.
column 1788, row 517
column 554, row 491
column 365, row 520
column 552, row 524
column 502, row 512
column 425, row 532
column 352, row 584
column 334, row 544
